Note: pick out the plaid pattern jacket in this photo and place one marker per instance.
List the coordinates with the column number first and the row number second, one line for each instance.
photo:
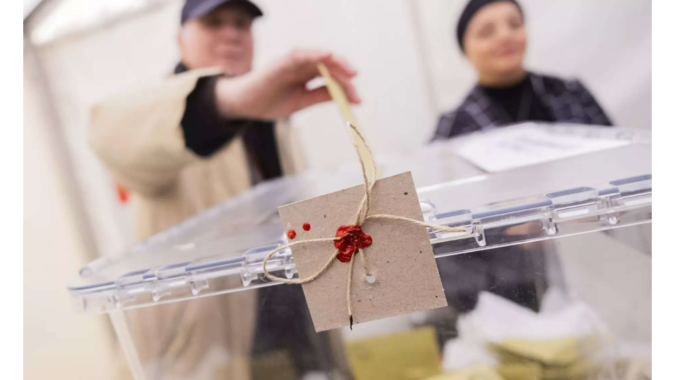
column 565, row 101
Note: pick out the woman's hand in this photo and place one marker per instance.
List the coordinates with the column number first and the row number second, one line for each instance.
column 281, row 88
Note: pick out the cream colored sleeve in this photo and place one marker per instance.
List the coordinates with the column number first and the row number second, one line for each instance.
column 138, row 134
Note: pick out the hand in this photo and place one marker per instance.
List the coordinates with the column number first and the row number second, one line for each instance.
column 281, row 88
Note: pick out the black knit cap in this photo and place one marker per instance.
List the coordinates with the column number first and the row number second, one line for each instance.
column 469, row 11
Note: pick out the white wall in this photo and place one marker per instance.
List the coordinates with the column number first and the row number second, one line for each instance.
column 607, row 44
column 83, row 69
column 378, row 38
column 58, row 343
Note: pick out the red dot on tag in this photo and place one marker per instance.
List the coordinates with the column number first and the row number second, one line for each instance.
column 306, row 226
column 291, row 234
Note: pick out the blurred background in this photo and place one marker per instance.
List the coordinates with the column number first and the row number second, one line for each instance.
column 78, row 52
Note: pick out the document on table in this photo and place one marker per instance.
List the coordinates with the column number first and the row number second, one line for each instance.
column 528, row 144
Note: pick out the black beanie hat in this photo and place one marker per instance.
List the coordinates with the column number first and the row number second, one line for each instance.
column 469, row 11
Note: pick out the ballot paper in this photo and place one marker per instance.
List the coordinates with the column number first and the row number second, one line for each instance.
column 529, row 144
column 550, row 336
column 476, row 372
column 339, row 97
column 405, row 355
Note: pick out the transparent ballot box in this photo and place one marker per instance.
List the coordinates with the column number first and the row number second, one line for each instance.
column 552, row 280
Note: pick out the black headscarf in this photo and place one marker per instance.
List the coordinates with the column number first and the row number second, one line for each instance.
column 469, row 11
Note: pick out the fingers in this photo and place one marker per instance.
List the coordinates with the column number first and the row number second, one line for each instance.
column 338, row 66
column 343, row 73
column 309, row 59
column 349, row 89
column 321, row 95
column 301, row 65
column 313, row 97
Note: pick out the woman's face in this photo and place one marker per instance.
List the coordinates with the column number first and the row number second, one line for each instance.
column 495, row 40
column 221, row 38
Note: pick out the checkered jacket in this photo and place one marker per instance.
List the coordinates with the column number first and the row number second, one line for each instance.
column 566, row 101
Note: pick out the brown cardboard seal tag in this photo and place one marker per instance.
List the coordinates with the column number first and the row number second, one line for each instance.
column 400, row 257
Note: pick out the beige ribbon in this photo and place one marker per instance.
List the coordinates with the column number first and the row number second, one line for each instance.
column 360, row 217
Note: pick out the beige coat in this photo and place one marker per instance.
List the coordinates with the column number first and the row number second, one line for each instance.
column 139, row 138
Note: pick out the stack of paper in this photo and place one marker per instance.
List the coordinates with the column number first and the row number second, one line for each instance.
column 517, row 343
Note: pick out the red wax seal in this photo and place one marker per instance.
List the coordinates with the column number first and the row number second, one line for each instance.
column 353, row 238
column 291, row 234
column 306, row 226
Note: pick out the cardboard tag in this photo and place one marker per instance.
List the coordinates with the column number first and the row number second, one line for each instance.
column 400, row 256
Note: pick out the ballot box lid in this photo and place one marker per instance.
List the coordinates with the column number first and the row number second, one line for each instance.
column 221, row 249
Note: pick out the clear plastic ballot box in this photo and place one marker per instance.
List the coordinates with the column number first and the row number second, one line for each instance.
column 552, row 279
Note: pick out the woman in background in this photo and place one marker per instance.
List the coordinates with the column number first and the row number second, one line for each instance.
column 492, row 36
